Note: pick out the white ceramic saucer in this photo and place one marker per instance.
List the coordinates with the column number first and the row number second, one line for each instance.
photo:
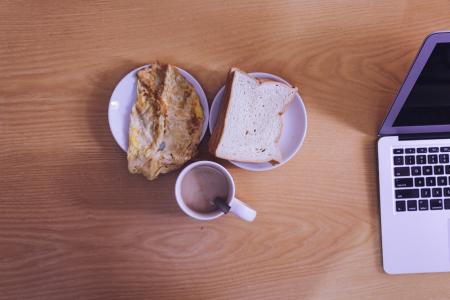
column 294, row 127
column 123, row 98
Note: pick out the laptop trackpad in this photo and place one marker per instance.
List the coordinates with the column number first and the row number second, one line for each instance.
column 448, row 233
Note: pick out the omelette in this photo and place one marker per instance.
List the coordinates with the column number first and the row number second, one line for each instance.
column 166, row 122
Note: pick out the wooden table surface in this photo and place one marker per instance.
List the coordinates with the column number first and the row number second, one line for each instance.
column 75, row 225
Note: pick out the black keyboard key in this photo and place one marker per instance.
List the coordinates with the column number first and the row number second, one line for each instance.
column 447, row 169
column 442, row 180
column 412, row 205
column 427, row 170
column 443, row 158
column 400, row 205
column 403, row 182
column 406, row 193
column 447, row 192
column 410, row 159
column 435, row 204
column 410, row 150
column 416, row 171
column 421, row 159
column 398, row 160
column 425, row 193
column 421, row 150
column 432, row 158
column 447, row 203
column 438, row 170
column 398, row 151
column 437, row 192
column 401, row 171
column 430, row 181
column 419, row 181
column 423, row 204
column 445, row 149
column 433, row 149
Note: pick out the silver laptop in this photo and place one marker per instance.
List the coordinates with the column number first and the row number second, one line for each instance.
column 414, row 166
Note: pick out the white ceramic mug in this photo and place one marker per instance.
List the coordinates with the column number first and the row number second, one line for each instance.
column 237, row 207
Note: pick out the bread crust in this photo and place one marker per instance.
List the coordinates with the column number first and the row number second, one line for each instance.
column 220, row 123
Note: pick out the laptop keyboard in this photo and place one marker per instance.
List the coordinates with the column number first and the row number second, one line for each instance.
column 421, row 178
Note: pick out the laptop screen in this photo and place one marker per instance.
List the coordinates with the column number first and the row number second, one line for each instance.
column 428, row 103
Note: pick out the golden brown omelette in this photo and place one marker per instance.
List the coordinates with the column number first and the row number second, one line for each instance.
column 166, row 122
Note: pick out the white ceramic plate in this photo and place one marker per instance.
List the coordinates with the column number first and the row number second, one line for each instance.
column 294, row 127
column 123, row 98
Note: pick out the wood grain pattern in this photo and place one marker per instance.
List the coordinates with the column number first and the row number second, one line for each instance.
column 75, row 225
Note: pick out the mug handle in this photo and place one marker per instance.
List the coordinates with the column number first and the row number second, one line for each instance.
column 241, row 210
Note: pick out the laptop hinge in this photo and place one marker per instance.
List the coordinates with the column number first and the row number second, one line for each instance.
column 424, row 136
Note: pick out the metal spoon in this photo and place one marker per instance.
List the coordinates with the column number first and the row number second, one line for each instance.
column 221, row 204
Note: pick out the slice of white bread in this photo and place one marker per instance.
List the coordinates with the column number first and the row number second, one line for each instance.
column 249, row 125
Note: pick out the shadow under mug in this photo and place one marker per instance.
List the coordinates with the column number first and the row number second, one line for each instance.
column 237, row 207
